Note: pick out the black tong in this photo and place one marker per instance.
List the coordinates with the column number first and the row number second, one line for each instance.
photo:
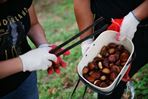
column 103, row 28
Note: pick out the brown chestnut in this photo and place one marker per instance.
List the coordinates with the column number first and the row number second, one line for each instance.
column 112, row 45
column 105, row 71
column 95, row 75
column 120, row 47
column 103, row 51
column 111, row 50
column 90, row 79
column 91, row 65
column 112, row 58
column 115, row 68
column 103, row 77
column 100, row 65
column 113, row 76
column 106, row 62
column 103, row 84
column 124, row 56
column 97, row 82
column 85, row 70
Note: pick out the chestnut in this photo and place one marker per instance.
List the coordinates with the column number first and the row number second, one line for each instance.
column 124, row 56
column 97, row 59
column 113, row 76
column 117, row 54
column 91, row 65
column 103, row 77
column 103, row 51
column 90, row 79
column 109, row 82
column 117, row 62
column 85, row 70
column 120, row 47
column 99, row 55
column 115, row 68
column 105, row 71
column 103, row 84
column 100, row 65
column 112, row 45
column 97, row 82
column 111, row 50
column 90, row 72
column 106, row 62
column 112, row 58
column 95, row 75
column 123, row 63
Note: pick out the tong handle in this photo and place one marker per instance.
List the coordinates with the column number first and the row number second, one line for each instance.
column 77, row 35
column 80, row 41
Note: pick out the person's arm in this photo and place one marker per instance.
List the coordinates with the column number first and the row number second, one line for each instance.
column 131, row 21
column 141, row 12
column 37, row 59
column 84, row 16
column 36, row 33
column 10, row 67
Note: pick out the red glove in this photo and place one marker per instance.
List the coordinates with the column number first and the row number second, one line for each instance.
column 60, row 62
column 116, row 23
column 115, row 26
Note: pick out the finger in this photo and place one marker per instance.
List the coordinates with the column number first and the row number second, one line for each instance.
column 122, row 38
column 50, row 70
column 52, row 57
column 62, row 63
column 117, row 36
column 46, row 65
column 66, row 53
column 57, row 70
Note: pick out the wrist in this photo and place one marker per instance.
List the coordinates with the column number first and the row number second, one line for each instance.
column 130, row 18
column 44, row 45
column 20, row 67
column 88, row 41
column 135, row 16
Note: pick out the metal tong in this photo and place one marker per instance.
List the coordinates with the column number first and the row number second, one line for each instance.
column 103, row 28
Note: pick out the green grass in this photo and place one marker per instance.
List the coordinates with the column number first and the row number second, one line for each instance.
column 59, row 24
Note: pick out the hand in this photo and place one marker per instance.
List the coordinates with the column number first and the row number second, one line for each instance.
column 128, row 26
column 37, row 59
column 60, row 62
column 85, row 45
column 115, row 26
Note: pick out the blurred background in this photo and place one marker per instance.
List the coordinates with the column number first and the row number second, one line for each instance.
column 58, row 21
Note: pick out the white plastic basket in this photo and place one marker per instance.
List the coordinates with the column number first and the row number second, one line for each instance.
column 104, row 38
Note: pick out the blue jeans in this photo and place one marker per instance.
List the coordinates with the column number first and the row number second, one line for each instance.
column 27, row 90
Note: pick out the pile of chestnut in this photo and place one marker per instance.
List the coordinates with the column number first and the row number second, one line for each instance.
column 106, row 66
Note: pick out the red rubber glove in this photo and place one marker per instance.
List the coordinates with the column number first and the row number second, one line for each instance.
column 60, row 62
column 115, row 26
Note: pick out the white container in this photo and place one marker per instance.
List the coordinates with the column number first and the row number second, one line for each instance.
column 104, row 38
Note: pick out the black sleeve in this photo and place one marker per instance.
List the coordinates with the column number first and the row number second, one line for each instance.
column 27, row 3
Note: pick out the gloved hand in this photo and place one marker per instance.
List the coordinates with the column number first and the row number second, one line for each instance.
column 37, row 59
column 60, row 62
column 85, row 45
column 128, row 26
